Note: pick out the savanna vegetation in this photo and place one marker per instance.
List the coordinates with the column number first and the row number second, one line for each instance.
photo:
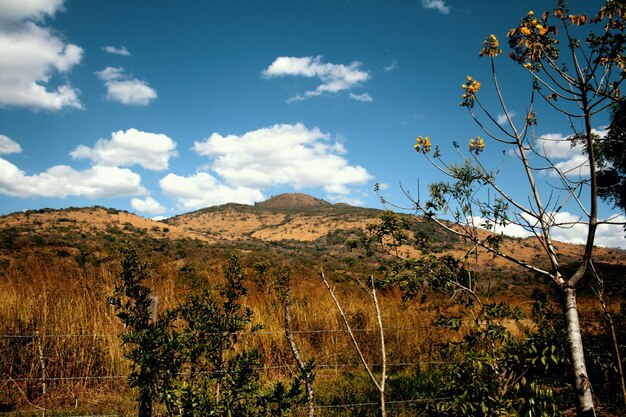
column 404, row 316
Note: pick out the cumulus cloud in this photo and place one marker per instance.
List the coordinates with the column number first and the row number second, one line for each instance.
column 202, row 190
column 11, row 10
column 30, row 55
column 612, row 235
column 334, row 77
column 572, row 231
column 353, row 201
column 570, row 228
column 362, row 97
column 150, row 150
column 63, row 181
column 568, row 157
column 148, row 205
column 439, row 5
column 556, row 145
column 282, row 155
column 501, row 118
column 126, row 89
column 117, row 51
column 7, row 145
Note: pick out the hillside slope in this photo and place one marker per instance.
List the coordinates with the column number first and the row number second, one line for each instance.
column 292, row 223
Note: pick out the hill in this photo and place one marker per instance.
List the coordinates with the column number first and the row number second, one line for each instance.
column 284, row 225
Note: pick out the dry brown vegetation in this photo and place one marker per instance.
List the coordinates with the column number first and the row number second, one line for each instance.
column 57, row 269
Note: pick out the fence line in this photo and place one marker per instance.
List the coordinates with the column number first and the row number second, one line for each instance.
column 321, row 406
column 327, row 366
column 248, row 333
column 321, row 367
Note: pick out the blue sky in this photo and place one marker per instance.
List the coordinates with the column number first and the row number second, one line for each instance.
column 164, row 107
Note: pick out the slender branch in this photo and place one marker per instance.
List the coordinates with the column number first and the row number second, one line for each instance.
column 349, row 330
column 304, row 370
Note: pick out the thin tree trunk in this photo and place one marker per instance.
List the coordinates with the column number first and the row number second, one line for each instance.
column 308, row 383
column 380, row 385
column 383, row 351
column 145, row 406
column 618, row 357
column 42, row 362
column 582, row 385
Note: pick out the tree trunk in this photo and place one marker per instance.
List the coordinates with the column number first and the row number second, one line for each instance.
column 582, row 385
column 145, row 406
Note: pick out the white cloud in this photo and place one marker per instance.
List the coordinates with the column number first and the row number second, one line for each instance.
column 612, row 235
column 574, row 167
column 391, row 67
column 30, row 55
column 202, row 190
column 569, row 228
column 150, row 150
column 362, row 97
column 117, row 51
column 125, row 89
column 572, row 231
column 17, row 10
column 148, row 205
column 63, row 181
column 570, row 160
column 502, row 119
column 7, row 145
column 555, row 145
column 339, row 198
column 439, row 5
column 334, row 77
column 282, row 155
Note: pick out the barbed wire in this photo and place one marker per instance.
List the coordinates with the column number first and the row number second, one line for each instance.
column 317, row 406
column 326, row 366
column 253, row 333
column 247, row 333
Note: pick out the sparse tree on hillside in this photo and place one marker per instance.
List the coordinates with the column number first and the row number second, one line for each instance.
column 575, row 64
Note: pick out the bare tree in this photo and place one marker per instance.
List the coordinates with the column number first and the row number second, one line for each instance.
column 306, row 369
column 576, row 66
column 379, row 383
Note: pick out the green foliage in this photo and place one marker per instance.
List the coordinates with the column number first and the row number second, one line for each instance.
column 494, row 374
column 612, row 161
column 151, row 345
column 190, row 360
column 391, row 231
column 415, row 275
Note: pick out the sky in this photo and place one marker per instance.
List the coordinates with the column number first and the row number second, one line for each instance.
column 163, row 107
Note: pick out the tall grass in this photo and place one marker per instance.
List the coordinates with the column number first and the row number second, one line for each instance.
column 64, row 302
column 53, row 301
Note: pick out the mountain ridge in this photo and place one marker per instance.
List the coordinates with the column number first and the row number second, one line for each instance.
column 312, row 224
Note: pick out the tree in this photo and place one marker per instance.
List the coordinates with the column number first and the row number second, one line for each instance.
column 190, row 359
column 575, row 65
column 612, row 165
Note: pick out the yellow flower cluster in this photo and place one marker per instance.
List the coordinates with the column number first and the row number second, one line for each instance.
column 476, row 145
column 422, row 144
column 491, row 47
column 528, row 27
column 471, row 87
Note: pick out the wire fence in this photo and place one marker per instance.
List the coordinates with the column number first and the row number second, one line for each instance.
column 42, row 378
